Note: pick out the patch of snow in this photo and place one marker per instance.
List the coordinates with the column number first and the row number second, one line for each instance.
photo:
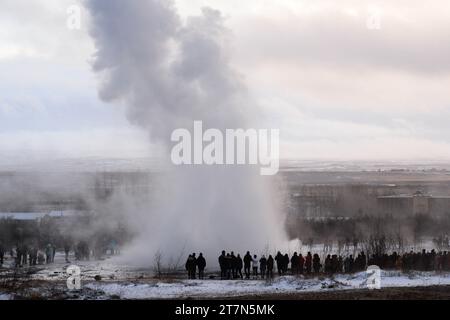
column 5, row 296
column 127, row 282
column 288, row 284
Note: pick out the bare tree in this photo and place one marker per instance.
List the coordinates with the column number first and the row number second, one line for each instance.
column 157, row 264
column 175, row 264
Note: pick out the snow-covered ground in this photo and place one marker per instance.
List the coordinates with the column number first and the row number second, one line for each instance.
column 4, row 296
column 126, row 282
column 282, row 285
column 107, row 269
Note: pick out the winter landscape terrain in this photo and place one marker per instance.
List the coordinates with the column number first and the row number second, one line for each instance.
column 108, row 279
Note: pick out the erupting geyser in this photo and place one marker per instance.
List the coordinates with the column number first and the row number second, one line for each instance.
column 170, row 73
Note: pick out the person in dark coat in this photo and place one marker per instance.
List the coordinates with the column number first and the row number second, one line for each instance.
column 316, row 263
column 239, row 266
column 33, row 255
column 247, row 264
column 279, row 259
column 294, row 264
column 2, row 253
column 270, row 262
column 363, row 261
column 24, row 250
column 263, row 266
column 201, row 264
column 194, row 266
column 308, row 263
column 222, row 264
column 285, row 263
column 67, row 250
column 40, row 257
column 327, row 267
column 233, row 265
column 48, row 253
column 19, row 256
column 53, row 252
column 347, row 265
column 229, row 265
column 188, row 266
column 191, row 265
column 336, row 263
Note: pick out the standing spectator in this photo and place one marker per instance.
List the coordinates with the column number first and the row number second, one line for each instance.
column 222, row 264
column 201, row 264
column 191, row 266
column 270, row 262
column 33, row 255
column 316, row 263
column 327, row 267
column 279, row 259
column 294, row 264
column 48, row 253
column 308, row 263
column 53, row 252
column 247, row 263
column 285, row 263
column 40, row 258
column 233, row 265
column 263, row 266
column 2, row 253
column 24, row 250
column 255, row 266
column 301, row 263
column 239, row 265
column 18, row 256
column 67, row 250
column 229, row 265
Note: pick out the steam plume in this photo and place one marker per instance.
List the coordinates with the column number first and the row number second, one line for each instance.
column 170, row 73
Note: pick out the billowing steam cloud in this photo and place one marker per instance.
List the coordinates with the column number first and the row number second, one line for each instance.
column 170, row 73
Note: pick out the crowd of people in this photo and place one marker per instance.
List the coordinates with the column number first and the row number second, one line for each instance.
column 33, row 254
column 421, row 261
column 193, row 263
column 233, row 266
column 29, row 255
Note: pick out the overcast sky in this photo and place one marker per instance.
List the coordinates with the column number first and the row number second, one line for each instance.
column 340, row 79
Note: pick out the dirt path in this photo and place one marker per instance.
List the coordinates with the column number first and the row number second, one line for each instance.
column 401, row 293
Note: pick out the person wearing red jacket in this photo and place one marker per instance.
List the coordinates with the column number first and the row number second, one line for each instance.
column 301, row 263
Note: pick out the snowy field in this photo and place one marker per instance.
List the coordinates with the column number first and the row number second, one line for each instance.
column 116, row 281
column 282, row 285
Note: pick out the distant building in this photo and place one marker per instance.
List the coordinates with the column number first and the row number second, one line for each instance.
column 414, row 204
column 355, row 200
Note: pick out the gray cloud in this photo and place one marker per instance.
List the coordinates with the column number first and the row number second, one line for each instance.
column 412, row 38
column 316, row 57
